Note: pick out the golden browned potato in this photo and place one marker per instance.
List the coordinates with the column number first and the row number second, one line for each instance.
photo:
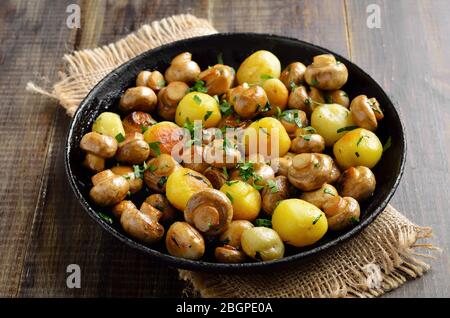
column 137, row 122
column 277, row 94
column 100, row 145
column 309, row 171
column 108, row 188
column 128, row 173
column 142, row 225
column 274, row 191
column 216, row 176
column 209, row 211
column 160, row 202
column 159, row 169
column 250, row 102
column 169, row 97
column 293, row 75
column 154, row 80
column 341, row 212
column 133, row 149
column 365, row 112
column 182, row 69
column 218, row 79
column 320, row 196
column 357, row 182
column 141, row 98
column 337, row 97
column 326, row 73
column 229, row 254
column 308, row 143
column 183, row 240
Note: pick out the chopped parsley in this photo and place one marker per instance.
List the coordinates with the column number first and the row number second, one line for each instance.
column 246, row 170
column 257, row 187
column 310, row 129
column 388, row 144
column 207, row 115
column 357, row 154
column 120, row 137
column 144, row 128
column 229, row 197
column 105, row 218
column 199, row 86
column 266, row 76
column 138, row 171
column 231, row 182
column 220, row 58
column 273, row 186
column 152, row 168
column 155, row 147
column 328, row 191
column 360, row 139
column 316, row 164
column 161, row 83
column 197, row 100
column 292, row 85
column 354, row 219
column 225, row 108
column 316, row 219
column 314, row 82
column 263, row 222
column 162, row 181
column 306, row 137
column 225, row 172
column 264, row 130
column 348, row 128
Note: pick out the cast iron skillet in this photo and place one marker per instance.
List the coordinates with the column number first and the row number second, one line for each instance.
column 234, row 48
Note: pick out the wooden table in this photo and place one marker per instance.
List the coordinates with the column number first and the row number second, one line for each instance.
column 43, row 228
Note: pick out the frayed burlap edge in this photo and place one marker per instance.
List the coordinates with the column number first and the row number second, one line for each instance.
column 84, row 69
column 380, row 258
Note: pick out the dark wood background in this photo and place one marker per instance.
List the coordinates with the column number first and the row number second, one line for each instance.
column 43, row 228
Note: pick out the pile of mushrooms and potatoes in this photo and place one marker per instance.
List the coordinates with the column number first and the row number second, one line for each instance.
column 237, row 163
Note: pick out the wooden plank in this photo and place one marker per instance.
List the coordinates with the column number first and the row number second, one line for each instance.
column 28, row 49
column 409, row 57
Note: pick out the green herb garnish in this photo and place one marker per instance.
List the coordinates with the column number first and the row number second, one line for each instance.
column 266, row 76
column 263, row 222
column 388, row 144
column 225, row 172
column 314, row 82
column 120, row 137
column 264, row 130
column 162, row 181
column 231, row 182
column 257, row 187
column 328, row 191
column 348, row 128
column 246, row 170
column 197, row 100
column 220, row 58
column 161, row 83
column 225, row 108
column 292, row 85
column 144, row 129
column 229, row 197
column 357, row 154
column 152, row 168
column 306, row 137
column 354, row 219
column 316, row 219
column 207, row 115
column 310, row 129
column 273, row 186
column 105, row 218
column 155, row 147
column 199, row 86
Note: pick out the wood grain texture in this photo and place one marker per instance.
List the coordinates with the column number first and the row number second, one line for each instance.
column 408, row 56
column 43, row 228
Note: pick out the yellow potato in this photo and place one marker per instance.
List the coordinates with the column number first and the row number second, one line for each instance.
column 258, row 138
column 328, row 119
column 259, row 67
column 198, row 106
column 164, row 136
column 109, row 124
column 245, row 199
column 182, row 184
column 262, row 244
column 298, row 222
column 359, row 147
column 277, row 93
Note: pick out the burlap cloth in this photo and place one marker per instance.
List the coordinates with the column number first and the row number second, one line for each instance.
column 381, row 258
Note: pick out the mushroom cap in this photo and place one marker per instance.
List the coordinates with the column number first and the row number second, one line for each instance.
column 341, row 212
column 136, row 121
column 272, row 195
column 293, row 74
column 141, row 226
column 134, row 149
column 250, row 102
column 309, row 171
column 100, row 145
column 363, row 114
column 183, row 240
column 229, row 254
column 357, row 182
column 326, row 73
column 209, row 210
column 218, row 79
column 108, row 188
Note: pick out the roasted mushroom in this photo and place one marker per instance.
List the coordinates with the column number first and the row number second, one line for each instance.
column 335, row 173
column 292, row 119
column 293, row 75
column 281, row 165
column 232, row 234
column 98, row 147
column 229, row 254
column 216, row 176
column 275, row 190
column 326, row 73
column 298, row 98
column 133, row 150
column 320, row 196
column 128, row 173
column 160, row 202
column 154, row 80
column 122, row 206
column 108, row 188
column 137, row 122
column 309, row 171
column 182, row 69
column 141, row 224
column 141, row 98
column 308, row 143
column 254, row 173
column 357, row 182
column 250, row 101
column 233, row 121
column 158, row 170
column 337, row 97
column 183, row 240
column 210, row 211
column 221, row 153
column 192, row 158
column 218, row 79
column 365, row 112
column 341, row 212
column 169, row 97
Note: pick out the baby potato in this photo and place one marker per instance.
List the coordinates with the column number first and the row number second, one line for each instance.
column 163, row 135
column 277, row 93
column 109, row 124
column 298, row 222
column 262, row 243
column 198, row 106
column 266, row 129
column 359, row 147
column 245, row 199
column 328, row 119
column 182, row 184
column 258, row 67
